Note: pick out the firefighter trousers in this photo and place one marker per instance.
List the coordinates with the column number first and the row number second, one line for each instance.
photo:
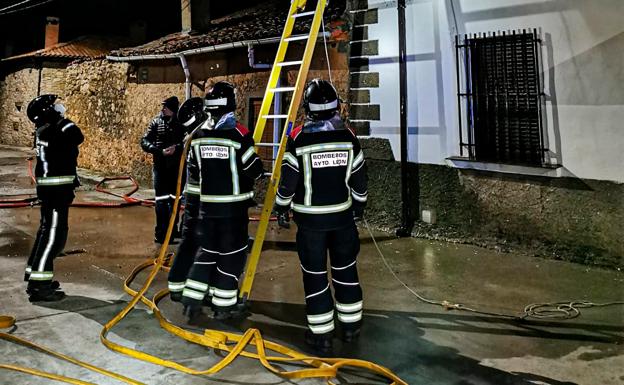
column 219, row 265
column 343, row 245
column 49, row 243
column 189, row 245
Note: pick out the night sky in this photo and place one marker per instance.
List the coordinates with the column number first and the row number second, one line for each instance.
column 24, row 31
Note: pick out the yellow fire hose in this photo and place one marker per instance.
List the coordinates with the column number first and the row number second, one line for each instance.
column 6, row 321
column 319, row 367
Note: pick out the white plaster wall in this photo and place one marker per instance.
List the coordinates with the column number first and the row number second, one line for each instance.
column 386, row 63
column 583, row 63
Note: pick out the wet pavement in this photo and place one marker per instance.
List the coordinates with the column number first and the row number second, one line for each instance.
column 422, row 343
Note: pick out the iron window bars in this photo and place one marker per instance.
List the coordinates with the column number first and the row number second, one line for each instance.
column 503, row 97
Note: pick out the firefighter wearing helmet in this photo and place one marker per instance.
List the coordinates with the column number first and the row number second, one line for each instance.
column 56, row 144
column 323, row 181
column 224, row 163
column 191, row 115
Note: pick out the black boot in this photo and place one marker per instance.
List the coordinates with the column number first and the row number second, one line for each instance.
column 351, row 331
column 238, row 311
column 175, row 296
column 192, row 308
column 45, row 292
column 54, row 285
column 350, row 335
column 192, row 312
column 320, row 343
column 223, row 313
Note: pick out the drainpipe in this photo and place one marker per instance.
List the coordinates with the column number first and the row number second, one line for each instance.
column 39, row 69
column 277, row 101
column 407, row 221
column 187, row 77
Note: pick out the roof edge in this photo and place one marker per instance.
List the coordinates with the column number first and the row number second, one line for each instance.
column 195, row 51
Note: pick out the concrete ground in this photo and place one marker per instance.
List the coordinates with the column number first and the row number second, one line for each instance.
column 421, row 343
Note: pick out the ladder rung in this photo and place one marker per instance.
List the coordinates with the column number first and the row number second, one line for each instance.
column 275, row 116
column 267, row 144
column 297, row 37
column 283, row 89
column 289, row 63
column 268, row 174
column 302, row 14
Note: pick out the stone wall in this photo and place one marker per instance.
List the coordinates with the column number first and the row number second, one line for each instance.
column 562, row 218
column 16, row 91
column 113, row 115
column 114, row 110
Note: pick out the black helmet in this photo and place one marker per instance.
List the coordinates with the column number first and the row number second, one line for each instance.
column 191, row 113
column 320, row 100
column 221, row 99
column 41, row 110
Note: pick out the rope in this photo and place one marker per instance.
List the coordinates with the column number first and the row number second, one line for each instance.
column 564, row 310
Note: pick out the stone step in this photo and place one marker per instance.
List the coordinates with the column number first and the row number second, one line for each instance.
column 359, row 32
column 361, row 127
column 364, row 80
column 369, row 16
column 358, row 64
column 364, row 112
column 359, row 96
column 364, row 48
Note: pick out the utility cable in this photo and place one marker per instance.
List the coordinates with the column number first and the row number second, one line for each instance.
column 15, row 5
column 24, row 8
column 563, row 310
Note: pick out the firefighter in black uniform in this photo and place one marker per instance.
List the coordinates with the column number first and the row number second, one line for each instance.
column 226, row 164
column 191, row 115
column 324, row 180
column 163, row 140
column 56, row 143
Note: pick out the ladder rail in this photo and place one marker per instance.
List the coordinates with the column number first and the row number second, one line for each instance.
column 269, row 200
column 276, row 71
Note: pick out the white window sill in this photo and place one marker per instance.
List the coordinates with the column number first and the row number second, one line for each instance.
column 553, row 171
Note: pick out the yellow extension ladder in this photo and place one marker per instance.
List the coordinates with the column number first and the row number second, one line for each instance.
column 295, row 12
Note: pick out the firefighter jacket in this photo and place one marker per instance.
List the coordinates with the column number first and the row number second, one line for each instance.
column 323, row 176
column 56, row 146
column 161, row 133
column 222, row 168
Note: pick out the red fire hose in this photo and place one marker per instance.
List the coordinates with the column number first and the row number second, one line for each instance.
column 127, row 199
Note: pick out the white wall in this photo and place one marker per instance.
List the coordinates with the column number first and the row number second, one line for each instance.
column 583, row 63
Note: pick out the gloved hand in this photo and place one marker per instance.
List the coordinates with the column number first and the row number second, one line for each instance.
column 283, row 220
column 358, row 212
column 283, row 216
column 169, row 150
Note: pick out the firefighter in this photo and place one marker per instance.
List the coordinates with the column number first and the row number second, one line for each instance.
column 56, row 144
column 163, row 139
column 224, row 160
column 191, row 115
column 324, row 181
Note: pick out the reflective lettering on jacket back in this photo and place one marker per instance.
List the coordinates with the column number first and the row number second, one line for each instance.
column 330, row 159
column 214, row 152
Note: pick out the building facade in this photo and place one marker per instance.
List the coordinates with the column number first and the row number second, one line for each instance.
column 468, row 141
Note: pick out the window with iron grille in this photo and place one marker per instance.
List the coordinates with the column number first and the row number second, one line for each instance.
column 502, row 98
